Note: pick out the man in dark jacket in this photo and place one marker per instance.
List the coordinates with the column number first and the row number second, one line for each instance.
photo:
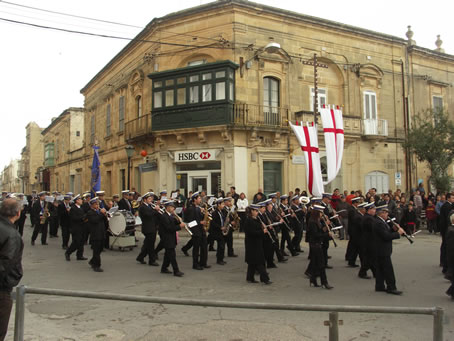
column 383, row 240
column 11, row 247
column 63, row 217
column 450, row 255
column 150, row 218
column 368, row 255
column 354, row 218
column 77, row 225
column 95, row 222
column 444, row 223
column 40, row 217
column 168, row 227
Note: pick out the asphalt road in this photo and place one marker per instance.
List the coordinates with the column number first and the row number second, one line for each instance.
column 64, row 318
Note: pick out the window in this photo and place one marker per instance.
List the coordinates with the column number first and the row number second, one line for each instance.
column 206, row 92
column 270, row 94
column 49, row 154
column 181, row 96
column 370, row 105
column 437, row 104
column 169, row 98
column 194, row 94
column 78, row 133
column 197, row 62
column 272, row 177
column 220, row 90
column 92, row 129
column 157, row 99
column 108, row 121
column 322, row 98
column 139, row 106
column 121, row 114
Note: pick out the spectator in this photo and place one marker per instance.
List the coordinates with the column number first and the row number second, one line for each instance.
column 233, row 194
column 342, row 208
column 409, row 220
column 431, row 216
column 350, row 197
column 335, row 198
column 421, row 189
column 399, row 211
column 441, row 199
column 11, row 247
column 258, row 197
column 242, row 203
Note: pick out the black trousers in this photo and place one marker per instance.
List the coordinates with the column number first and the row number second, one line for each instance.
column 53, row 226
column 85, row 233
column 220, row 251
column 229, row 241
column 443, row 254
column 200, row 250
column 148, row 248
column 65, row 235
column 77, row 244
column 170, row 258
column 385, row 274
column 40, row 228
column 188, row 245
column 368, row 262
column 243, row 217
column 20, row 225
column 260, row 268
column 325, row 247
column 97, row 246
column 210, row 240
column 286, row 238
column 268, row 249
column 352, row 251
column 6, row 303
column 297, row 237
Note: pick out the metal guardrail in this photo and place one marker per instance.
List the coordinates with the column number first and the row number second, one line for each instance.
column 333, row 310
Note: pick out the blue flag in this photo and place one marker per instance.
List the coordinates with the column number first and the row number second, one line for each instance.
column 95, row 173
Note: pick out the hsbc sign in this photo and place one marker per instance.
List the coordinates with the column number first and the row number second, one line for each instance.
column 195, row 156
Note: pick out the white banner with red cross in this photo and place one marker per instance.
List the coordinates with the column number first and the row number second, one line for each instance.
column 307, row 138
column 333, row 129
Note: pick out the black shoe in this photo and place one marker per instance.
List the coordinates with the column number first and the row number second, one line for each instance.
column 197, row 267
column 328, row 266
column 364, row 276
column 98, row 269
column 232, row 255
column 33, row 242
column 329, row 257
column 353, row 265
column 394, row 292
column 82, row 258
column 380, row 290
column 294, row 254
column 178, row 274
column 67, row 257
column 251, row 281
column 44, row 244
column 268, row 282
column 166, row 271
column 153, row 264
column 307, row 274
column 140, row 260
column 206, row 266
column 283, row 260
column 272, row 266
column 285, row 254
column 221, row 262
column 313, row 282
column 185, row 252
column 327, row 286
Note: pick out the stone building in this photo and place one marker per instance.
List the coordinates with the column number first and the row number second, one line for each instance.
column 32, row 157
column 10, row 179
column 204, row 96
column 63, row 152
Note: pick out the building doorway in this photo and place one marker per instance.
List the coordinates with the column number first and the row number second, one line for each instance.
column 378, row 180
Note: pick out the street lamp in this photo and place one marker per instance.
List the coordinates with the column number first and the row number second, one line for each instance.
column 129, row 152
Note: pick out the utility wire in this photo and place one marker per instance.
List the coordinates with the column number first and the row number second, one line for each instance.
column 105, row 35
column 70, row 15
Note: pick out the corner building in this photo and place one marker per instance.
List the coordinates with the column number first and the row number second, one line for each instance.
column 206, row 93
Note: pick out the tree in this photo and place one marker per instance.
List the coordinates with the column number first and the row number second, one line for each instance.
column 431, row 139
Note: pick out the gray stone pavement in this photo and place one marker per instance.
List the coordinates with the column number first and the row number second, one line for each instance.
column 64, row 318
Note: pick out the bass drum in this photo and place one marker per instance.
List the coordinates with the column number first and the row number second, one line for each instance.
column 117, row 224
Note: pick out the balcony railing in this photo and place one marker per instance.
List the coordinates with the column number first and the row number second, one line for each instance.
column 372, row 128
column 260, row 116
column 138, row 127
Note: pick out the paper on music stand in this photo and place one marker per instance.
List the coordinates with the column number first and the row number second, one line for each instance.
column 60, row 197
column 113, row 210
column 192, row 224
column 49, row 199
column 178, row 210
column 211, row 201
column 174, row 195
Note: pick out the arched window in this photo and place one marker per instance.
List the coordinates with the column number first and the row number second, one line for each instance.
column 271, row 100
column 139, row 106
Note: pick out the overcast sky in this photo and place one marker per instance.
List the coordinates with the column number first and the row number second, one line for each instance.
column 42, row 71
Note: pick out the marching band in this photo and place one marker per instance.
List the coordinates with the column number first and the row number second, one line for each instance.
column 274, row 227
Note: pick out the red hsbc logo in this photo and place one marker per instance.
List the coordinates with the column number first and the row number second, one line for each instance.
column 205, row 155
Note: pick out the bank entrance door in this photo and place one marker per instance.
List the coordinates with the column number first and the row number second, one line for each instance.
column 199, row 183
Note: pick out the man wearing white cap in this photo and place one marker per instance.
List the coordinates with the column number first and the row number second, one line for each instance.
column 40, row 214
column 77, row 225
column 95, row 221
column 354, row 218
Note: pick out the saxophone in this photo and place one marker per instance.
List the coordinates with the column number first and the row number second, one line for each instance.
column 43, row 218
column 227, row 224
column 206, row 218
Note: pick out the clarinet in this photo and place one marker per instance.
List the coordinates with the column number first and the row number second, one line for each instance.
column 397, row 225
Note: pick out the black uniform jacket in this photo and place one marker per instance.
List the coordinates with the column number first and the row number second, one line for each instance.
column 36, row 210
column 149, row 217
column 63, row 215
column 195, row 213
column 168, row 226
column 216, row 224
column 444, row 217
column 355, row 221
column 384, row 236
column 367, row 234
column 76, row 219
column 96, row 225
column 254, row 241
column 124, row 204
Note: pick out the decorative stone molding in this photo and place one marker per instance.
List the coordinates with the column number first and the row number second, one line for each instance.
column 180, row 138
column 226, row 136
column 202, row 137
